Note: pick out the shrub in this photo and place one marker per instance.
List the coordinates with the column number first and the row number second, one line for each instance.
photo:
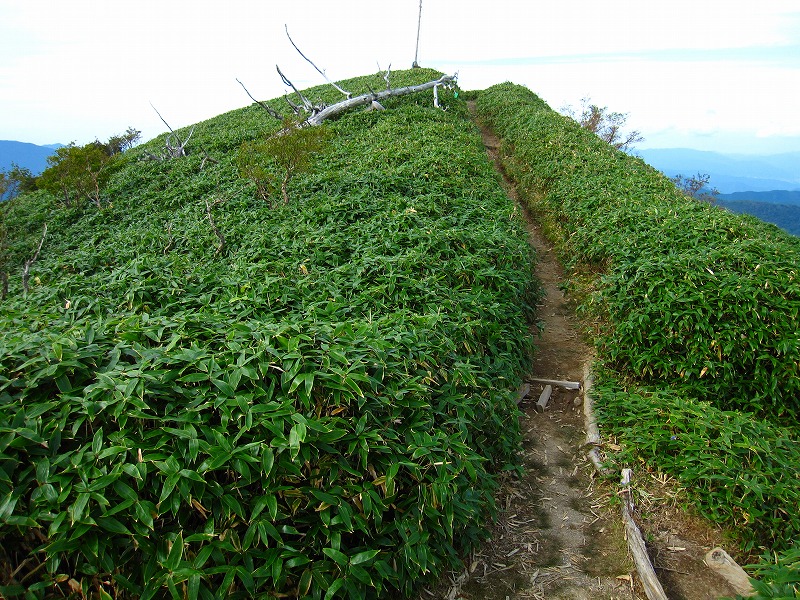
column 688, row 294
column 322, row 411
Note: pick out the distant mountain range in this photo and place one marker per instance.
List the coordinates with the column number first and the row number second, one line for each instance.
column 29, row 156
column 729, row 172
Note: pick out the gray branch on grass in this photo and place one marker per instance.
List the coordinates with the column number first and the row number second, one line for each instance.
column 340, row 107
column 216, row 231
column 29, row 263
column 320, row 71
column 309, row 107
column 174, row 151
column 270, row 111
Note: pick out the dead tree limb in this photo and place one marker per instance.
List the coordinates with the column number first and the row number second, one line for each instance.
column 307, row 105
column 220, row 237
column 387, row 75
column 270, row 111
column 321, row 72
column 29, row 263
column 173, row 150
column 651, row 584
column 336, row 109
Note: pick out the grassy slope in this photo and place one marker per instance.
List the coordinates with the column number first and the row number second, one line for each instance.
column 321, row 408
column 695, row 314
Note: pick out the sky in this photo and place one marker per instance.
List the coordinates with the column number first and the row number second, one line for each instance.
column 720, row 75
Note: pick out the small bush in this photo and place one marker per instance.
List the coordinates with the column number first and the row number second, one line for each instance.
column 690, row 294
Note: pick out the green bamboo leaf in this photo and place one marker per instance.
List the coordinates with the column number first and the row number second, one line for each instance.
column 338, row 557
column 175, row 555
column 363, row 557
column 334, row 587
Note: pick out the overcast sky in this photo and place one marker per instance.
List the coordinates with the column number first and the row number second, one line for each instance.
column 707, row 74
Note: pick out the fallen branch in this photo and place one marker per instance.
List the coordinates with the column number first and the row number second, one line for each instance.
column 590, row 423
column 307, row 105
column 336, row 109
column 220, row 237
column 321, row 72
column 652, row 587
column 569, row 385
column 174, row 151
column 29, row 263
column 270, row 111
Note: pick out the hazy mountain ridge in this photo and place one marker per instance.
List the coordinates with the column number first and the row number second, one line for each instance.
column 28, row 156
column 729, row 172
column 786, row 197
column 785, row 216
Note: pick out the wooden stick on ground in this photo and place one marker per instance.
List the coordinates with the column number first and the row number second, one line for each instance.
column 590, row 423
column 570, row 385
column 652, row 587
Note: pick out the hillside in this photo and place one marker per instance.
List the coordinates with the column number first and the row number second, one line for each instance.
column 785, row 216
column 324, row 402
column 212, row 389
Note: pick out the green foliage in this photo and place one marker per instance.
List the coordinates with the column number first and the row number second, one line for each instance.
column 272, row 162
column 696, row 186
column 605, row 124
column 77, row 172
column 687, row 293
column 322, row 411
column 119, row 143
column 778, row 575
column 19, row 180
column 734, row 467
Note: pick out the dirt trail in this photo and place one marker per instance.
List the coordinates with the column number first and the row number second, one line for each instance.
column 559, row 535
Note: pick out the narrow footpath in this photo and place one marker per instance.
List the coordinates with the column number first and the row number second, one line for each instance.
column 559, row 534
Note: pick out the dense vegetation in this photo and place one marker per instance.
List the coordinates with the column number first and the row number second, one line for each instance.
column 319, row 405
column 785, row 216
column 694, row 313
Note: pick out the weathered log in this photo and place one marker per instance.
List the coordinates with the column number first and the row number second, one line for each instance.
column 569, row 385
column 544, row 398
column 720, row 561
column 336, row 109
column 647, row 575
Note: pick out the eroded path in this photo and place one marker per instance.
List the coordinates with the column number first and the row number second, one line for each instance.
column 559, row 533
column 556, row 536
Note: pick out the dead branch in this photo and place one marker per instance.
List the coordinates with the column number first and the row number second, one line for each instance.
column 652, row 587
column 220, row 237
column 174, row 150
column 336, row 109
column 270, row 111
column 207, row 158
column 321, row 72
column 307, row 105
column 415, row 64
column 387, row 75
column 29, row 263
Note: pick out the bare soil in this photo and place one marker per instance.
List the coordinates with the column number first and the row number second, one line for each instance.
column 559, row 534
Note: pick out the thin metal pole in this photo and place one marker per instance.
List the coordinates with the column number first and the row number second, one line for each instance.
column 419, row 23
